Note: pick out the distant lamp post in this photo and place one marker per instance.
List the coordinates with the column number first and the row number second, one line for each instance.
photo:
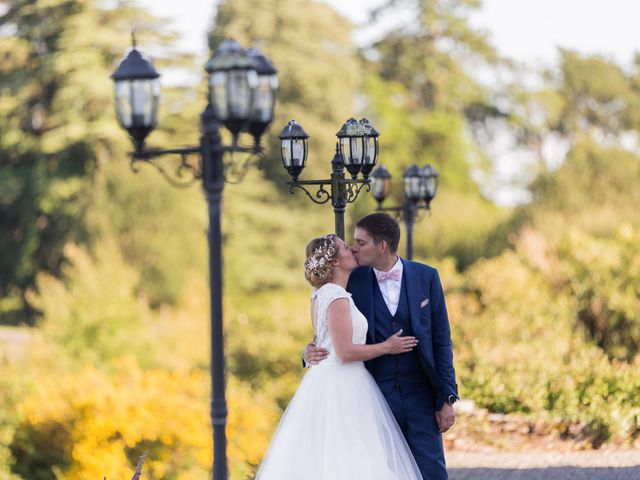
column 242, row 92
column 420, row 185
column 356, row 150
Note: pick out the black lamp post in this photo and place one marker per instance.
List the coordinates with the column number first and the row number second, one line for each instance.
column 420, row 185
column 242, row 91
column 356, row 150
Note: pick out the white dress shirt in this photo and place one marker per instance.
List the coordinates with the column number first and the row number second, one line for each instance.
column 390, row 288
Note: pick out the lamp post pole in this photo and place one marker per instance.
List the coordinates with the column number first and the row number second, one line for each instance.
column 409, row 213
column 213, row 185
column 420, row 186
column 356, row 151
column 252, row 79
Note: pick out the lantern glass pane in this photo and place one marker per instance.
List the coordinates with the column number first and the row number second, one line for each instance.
column 378, row 188
column 218, row 94
column 264, row 100
column 423, row 186
column 123, row 103
column 137, row 102
column 431, row 187
column 344, row 150
column 155, row 95
column 412, row 187
column 370, row 151
column 241, row 87
column 357, row 150
column 297, row 152
column 285, row 152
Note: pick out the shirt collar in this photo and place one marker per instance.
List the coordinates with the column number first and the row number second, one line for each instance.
column 397, row 266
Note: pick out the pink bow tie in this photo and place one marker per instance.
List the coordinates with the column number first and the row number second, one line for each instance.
column 391, row 275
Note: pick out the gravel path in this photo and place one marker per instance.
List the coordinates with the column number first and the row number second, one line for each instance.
column 590, row 465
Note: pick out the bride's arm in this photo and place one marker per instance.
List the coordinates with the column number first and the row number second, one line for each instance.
column 312, row 355
column 341, row 331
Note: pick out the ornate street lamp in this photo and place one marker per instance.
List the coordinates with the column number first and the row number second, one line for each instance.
column 420, row 185
column 356, row 149
column 137, row 87
column 242, row 89
column 294, row 148
column 233, row 80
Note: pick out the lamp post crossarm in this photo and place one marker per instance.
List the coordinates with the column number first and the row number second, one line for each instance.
column 420, row 209
column 186, row 173
column 354, row 187
column 234, row 172
column 321, row 196
column 397, row 211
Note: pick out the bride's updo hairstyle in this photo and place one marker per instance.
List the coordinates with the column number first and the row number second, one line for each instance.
column 318, row 267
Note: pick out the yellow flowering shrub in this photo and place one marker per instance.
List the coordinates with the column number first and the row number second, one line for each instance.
column 88, row 425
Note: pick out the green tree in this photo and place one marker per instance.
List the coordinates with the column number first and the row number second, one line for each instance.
column 423, row 96
column 57, row 128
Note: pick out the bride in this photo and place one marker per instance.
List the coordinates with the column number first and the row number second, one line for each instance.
column 338, row 425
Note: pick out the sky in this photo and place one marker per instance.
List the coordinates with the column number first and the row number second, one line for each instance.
column 526, row 30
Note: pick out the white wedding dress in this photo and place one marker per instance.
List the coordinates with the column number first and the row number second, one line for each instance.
column 338, row 425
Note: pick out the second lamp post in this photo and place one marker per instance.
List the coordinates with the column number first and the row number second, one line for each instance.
column 420, row 185
column 356, row 150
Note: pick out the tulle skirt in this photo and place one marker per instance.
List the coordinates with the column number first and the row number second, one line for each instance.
column 338, row 426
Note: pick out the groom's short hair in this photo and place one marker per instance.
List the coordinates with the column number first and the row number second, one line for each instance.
column 381, row 226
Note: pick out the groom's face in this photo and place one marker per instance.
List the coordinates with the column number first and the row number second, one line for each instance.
column 364, row 248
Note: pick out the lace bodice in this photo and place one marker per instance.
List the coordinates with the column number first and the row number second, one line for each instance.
column 321, row 299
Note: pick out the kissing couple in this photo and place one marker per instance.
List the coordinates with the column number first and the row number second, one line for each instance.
column 380, row 387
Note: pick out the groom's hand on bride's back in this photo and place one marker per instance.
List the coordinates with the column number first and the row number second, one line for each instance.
column 313, row 355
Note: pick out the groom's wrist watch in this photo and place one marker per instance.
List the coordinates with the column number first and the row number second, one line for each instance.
column 451, row 399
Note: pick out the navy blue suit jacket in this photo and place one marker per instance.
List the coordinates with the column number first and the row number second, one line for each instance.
column 429, row 320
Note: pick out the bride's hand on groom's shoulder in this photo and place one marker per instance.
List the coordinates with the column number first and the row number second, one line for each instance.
column 313, row 355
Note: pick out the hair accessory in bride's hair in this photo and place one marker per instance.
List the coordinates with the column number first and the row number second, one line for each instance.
column 323, row 254
column 318, row 264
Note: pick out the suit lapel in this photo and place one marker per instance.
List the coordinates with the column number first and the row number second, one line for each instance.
column 413, row 295
column 361, row 287
column 368, row 301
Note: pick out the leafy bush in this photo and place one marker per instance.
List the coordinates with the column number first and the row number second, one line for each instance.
column 518, row 349
column 603, row 278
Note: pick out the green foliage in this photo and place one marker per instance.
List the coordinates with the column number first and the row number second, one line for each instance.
column 518, row 350
column 416, row 135
column 265, row 337
column 594, row 190
column 159, row 230
column 599, row 96
column 265, row 237
column 428, row 57
column 95, row 316
column 603, row 278
column 56, row 126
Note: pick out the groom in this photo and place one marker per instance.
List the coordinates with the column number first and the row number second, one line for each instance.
column 393, row 293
